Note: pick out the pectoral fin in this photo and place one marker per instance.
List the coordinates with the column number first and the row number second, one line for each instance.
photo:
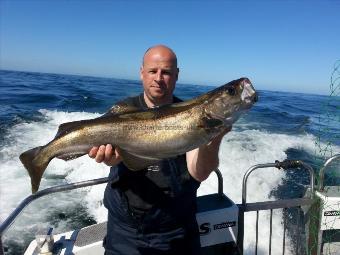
column 210, row 123
column 134, row 162
column 213, row 123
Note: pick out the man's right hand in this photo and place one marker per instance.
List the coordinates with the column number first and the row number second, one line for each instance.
column 105, row 154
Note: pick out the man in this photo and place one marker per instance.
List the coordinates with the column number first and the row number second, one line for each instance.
column 152, row 211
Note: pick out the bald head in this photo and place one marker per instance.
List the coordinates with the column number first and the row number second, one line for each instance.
column 159, row 74
column 160, row 51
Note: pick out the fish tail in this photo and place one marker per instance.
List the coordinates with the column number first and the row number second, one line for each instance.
column 35, row 165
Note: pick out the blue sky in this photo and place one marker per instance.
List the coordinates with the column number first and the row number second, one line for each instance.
column 279, row 45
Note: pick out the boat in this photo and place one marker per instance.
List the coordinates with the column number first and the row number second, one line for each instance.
column 220, row 220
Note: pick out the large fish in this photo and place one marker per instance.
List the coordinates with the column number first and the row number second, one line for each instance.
column 144, row 137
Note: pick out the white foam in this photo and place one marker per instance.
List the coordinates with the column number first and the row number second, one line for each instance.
column 239, row 151
column 15, row 182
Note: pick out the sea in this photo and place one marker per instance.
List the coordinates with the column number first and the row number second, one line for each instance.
column 281, row 125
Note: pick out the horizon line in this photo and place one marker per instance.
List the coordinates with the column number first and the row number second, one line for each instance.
column 178, row 83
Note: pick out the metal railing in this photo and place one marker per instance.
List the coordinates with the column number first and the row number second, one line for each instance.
column 329, row 234
column 12, row 217
column 18, row 210
column 271, row 205
column 323, row 169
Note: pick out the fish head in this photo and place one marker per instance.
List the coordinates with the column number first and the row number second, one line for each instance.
column 229, row 101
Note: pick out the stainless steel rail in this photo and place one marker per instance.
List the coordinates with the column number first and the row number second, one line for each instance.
column 286, row 164
column 12, row 217
column 271, row 205
column 220, row 181
column 323, row 169
column 279, row 204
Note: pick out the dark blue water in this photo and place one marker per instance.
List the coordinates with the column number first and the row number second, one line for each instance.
column 24, row 94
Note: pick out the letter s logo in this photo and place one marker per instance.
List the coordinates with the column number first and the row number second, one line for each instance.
column 205, row 228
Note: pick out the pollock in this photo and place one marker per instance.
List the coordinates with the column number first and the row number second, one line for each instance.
column 144, row 137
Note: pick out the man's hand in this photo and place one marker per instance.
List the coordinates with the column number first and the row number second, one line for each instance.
column 106, row 154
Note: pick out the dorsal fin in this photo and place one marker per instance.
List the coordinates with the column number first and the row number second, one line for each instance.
column 153, row 113
column 141, row 114
column 183, row 104
column 121, row 109
column 67, row 127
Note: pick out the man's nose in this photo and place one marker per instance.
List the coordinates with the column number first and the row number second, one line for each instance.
column 159, row 76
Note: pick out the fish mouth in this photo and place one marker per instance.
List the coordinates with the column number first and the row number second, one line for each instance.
column 248, row 95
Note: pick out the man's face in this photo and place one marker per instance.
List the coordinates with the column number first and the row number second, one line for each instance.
column 159, row 74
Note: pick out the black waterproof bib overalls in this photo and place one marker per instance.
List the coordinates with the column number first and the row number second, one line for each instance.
column 151, row 211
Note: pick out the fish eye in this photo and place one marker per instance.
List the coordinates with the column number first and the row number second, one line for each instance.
column 231, row 91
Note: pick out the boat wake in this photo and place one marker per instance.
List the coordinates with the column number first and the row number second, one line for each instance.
column 240, row 149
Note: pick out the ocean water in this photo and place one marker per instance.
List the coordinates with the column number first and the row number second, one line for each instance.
column 32, row 106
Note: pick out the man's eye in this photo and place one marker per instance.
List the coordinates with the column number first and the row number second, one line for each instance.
column 152, row 71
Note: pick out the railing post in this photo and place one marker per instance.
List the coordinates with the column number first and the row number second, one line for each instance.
column 220, row 181
column 240, row 232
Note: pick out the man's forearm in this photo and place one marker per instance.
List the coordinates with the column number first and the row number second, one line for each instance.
column 203, row 160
